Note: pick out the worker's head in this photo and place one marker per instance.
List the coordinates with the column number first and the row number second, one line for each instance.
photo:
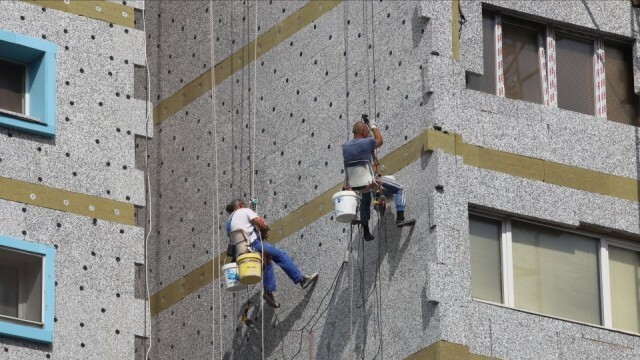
column 360, row 130
column 235, row 205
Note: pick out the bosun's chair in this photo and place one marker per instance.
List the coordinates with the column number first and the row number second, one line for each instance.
column 360, row 176
column 240, row 241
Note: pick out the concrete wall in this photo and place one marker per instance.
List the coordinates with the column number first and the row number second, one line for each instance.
column 410, row 287
column 93, row 153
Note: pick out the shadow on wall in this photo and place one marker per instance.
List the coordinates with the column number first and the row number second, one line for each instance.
column 419, row 25
column 247, row 340
column 351, row 314
column 346, row 314
column 428, row 309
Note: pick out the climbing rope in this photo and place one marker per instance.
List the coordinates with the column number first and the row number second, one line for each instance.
column 148, row 224
column 216, row 205
column 381, row 212
column 366, row 32
column 346, row 67
column 373, row 59
column 254, row 89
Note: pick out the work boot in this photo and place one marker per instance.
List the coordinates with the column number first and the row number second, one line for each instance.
column 367, row 234
column 308, row 280
column 270, row 299
column 401, row 221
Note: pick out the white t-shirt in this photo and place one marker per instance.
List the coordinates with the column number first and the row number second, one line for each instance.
column 241, row 219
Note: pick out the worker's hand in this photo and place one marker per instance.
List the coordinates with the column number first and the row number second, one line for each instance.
column 371, row 123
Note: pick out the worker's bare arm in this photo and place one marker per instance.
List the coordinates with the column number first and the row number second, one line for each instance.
column 378, row 136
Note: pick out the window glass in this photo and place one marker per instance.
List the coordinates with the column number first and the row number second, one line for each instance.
column 522, row 80
column 21, row 285
column 624, row 276
column 8, row 291
column 555, row 272
column 622, row 104
column 12, row 78
column 484, row 236
column 487, row 82
column 574, row 70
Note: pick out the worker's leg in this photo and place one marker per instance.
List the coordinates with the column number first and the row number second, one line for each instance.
column 394, row 188
column 365, row 207
column 269, row 278
column 281, row 258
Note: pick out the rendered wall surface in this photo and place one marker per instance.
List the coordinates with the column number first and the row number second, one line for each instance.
column 409, row 288
column 93, row 153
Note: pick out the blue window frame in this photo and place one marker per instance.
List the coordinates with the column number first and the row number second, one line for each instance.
column 39, row 60
column 33, row 304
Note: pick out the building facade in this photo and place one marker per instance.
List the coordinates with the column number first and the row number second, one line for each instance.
column 512, row 125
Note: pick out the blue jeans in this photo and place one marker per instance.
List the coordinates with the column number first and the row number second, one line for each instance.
column 389, row 188
column 282, row 259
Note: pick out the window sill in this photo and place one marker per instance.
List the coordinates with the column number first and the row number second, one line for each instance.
column 556, row 317
column 18, row 321
column 22, row 117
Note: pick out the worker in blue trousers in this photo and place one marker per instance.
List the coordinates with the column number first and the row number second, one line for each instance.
column 360, row 150
column 257, row 229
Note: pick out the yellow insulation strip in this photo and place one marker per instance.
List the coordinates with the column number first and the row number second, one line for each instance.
column 444, row 350
column 430, row 140
column 95, row 9
column 67, row 201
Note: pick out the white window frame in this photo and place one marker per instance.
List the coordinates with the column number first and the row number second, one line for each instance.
column 506, row 270
column 547, row 51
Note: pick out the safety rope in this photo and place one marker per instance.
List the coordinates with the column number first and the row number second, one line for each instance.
column 346, row 67
column 216, row 205
column 382, row 209
column 366, row 32
column 148, row 224
column 254, row 89
column 373, row 59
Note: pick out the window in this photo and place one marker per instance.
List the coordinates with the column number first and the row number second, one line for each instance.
column 574, row 67
column 622, row 102
column 544, row 64
column 26, row 290
column 487, row 82
column 484, row 235
column 27, row 83
column 522, row 79
column 624, row 266
column 546, row 270
column 12, row 86
column 555, row 272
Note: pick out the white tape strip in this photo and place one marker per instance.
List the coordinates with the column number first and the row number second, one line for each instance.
column 543, row 70
column 551, row 67
column 600, row 80
column 499, row 63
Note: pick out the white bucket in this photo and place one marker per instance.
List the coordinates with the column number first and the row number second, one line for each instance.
column 232, row 277
column 345, row 204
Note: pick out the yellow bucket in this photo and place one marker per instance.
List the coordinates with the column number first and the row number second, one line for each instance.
column 250, row 268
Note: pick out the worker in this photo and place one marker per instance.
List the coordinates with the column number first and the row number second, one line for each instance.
column 361, row 148
column 241, row 217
